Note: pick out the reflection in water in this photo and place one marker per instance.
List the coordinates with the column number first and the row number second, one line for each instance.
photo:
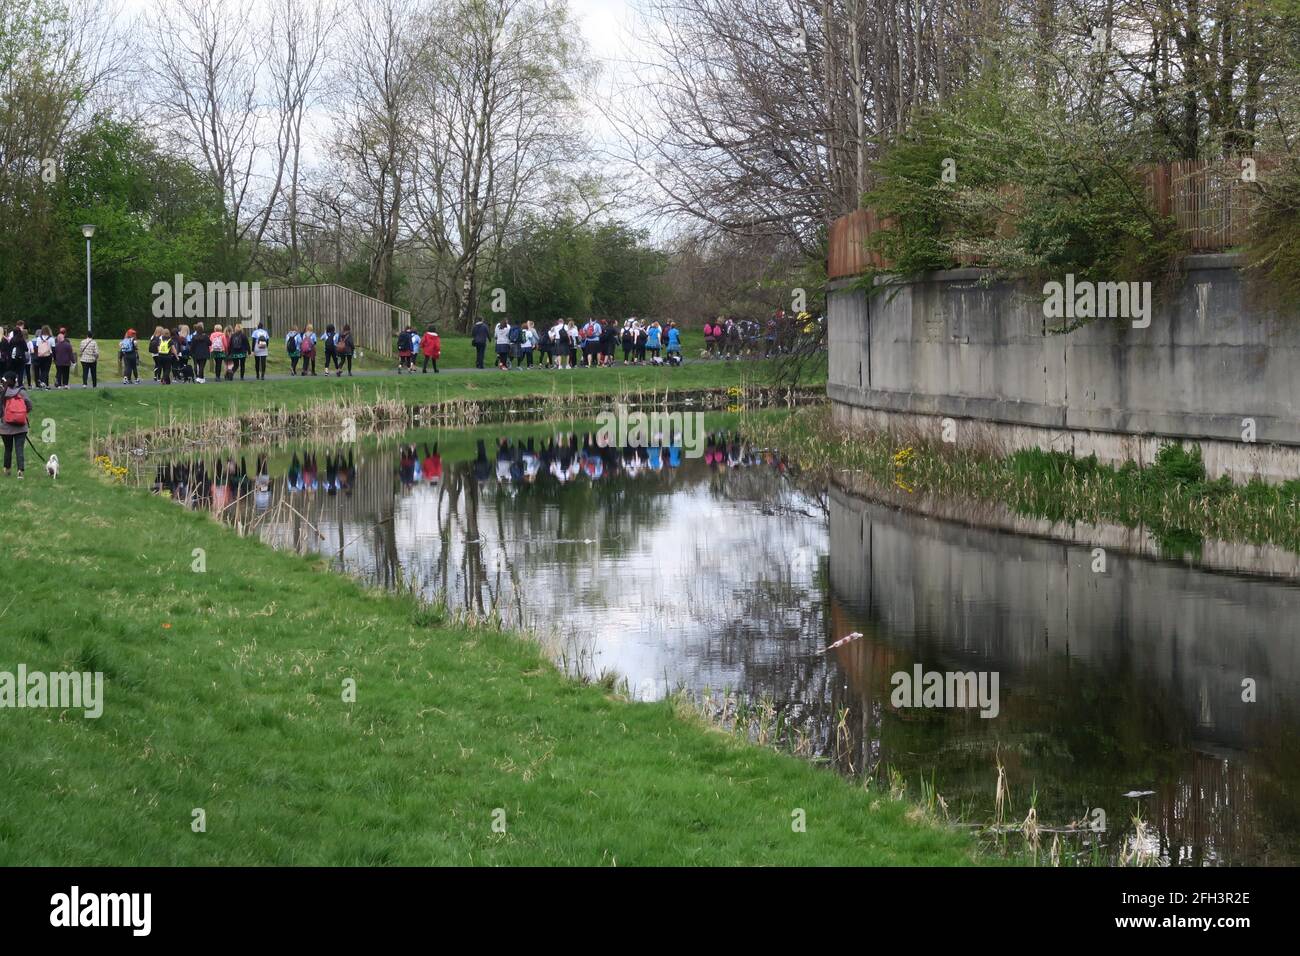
column 1113, row 683
column 722, row 573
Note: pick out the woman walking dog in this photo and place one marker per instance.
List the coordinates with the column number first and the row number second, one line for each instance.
column 15, row 413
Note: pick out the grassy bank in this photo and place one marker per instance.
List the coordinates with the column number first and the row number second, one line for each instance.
column 224, row 691
column 1172, row 498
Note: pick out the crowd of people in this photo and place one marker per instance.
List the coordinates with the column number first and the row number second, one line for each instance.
column 184, row 353
column 594, row 343
column 567, row 345
column 31, row 357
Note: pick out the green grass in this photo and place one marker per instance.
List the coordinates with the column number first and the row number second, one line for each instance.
column 1172, row 498
column 224, row 692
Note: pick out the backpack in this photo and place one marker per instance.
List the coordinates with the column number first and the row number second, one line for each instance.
column 126, row 346
column 43, row 349
column 291, row 343
column 343, row 343
column 15, row 410
column 516, row 335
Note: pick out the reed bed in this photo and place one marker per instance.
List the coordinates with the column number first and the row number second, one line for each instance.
column 385, row 415
column 1003, row 833
column 185, row 431
column 1171, row 499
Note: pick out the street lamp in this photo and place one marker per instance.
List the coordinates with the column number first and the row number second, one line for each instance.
column 87, row 231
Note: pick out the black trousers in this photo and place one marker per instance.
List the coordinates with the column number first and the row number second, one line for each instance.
column 479, row 349
column 12, row 442
column 90, row 372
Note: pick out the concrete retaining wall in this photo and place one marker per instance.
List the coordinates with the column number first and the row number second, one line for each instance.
column 948, row 345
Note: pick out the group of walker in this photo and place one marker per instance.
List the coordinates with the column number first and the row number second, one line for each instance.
column 31, row 358
column 568, row 345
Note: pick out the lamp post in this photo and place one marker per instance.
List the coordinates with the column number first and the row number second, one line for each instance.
column 87, row 231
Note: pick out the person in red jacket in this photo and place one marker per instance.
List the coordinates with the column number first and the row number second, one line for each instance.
column 431, row 349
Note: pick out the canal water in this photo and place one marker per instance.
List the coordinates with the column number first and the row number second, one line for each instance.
column 1153, row 708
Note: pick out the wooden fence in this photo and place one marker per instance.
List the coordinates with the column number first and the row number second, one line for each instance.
column 1209, row 199
column 849, row 255
column 374, row 323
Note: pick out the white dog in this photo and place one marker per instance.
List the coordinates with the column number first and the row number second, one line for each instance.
column 52, row 466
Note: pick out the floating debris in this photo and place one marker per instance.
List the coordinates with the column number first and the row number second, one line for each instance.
column 843, row 640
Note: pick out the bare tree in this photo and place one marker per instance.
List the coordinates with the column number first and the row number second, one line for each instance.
column 374, row 142
column 300, row 31
column 205, row 73
column 497, row 127
column 762, row 116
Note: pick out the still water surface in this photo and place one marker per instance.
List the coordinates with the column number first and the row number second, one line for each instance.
column 1119, row 692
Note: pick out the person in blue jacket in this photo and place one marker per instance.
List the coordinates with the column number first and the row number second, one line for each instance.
column 652, row 339
column 674, row 350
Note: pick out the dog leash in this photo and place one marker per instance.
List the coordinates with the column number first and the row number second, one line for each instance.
column 33, row 444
